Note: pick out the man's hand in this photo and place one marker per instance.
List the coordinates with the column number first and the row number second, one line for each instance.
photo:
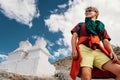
column 113, row 57
column 74, row 54
column 108, row 47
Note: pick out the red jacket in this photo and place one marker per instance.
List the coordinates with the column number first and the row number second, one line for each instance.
column 96, row 73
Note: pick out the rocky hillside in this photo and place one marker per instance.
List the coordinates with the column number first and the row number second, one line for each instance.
column 63, row 66
column 62, row 73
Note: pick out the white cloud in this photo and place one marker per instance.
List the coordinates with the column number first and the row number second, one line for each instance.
column 60, row 41
column 65, row 22
column 35, row 37
column 60, row 52
column 22, row 11
column 3, row 57
column 62, row 6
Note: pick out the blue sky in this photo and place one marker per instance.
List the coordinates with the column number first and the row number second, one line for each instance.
column 51, row 21
column 12, row 31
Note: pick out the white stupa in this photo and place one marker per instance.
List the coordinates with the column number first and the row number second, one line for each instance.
column 29, row 60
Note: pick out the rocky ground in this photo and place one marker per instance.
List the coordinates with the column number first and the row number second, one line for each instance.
column 62, row 73
column 12, row 76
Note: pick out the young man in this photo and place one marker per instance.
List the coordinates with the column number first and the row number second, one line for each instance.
column 87, row 51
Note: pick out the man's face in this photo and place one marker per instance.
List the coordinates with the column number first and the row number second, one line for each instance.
column 89, row 13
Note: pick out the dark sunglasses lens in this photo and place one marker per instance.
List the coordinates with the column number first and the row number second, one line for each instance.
column 88, row 11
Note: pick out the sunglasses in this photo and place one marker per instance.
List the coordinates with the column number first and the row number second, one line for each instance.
column 89, row 10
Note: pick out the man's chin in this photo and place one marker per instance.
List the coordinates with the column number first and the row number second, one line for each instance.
column 88, row 16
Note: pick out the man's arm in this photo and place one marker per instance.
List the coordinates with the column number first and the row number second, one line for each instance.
column 73, row 44
column 108, row 47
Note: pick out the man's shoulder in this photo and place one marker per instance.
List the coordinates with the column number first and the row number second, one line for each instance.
column 81, row 24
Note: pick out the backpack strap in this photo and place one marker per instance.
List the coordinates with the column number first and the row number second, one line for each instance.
column 79, row 27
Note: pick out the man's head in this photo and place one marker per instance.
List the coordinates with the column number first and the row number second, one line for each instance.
column 91, row 12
